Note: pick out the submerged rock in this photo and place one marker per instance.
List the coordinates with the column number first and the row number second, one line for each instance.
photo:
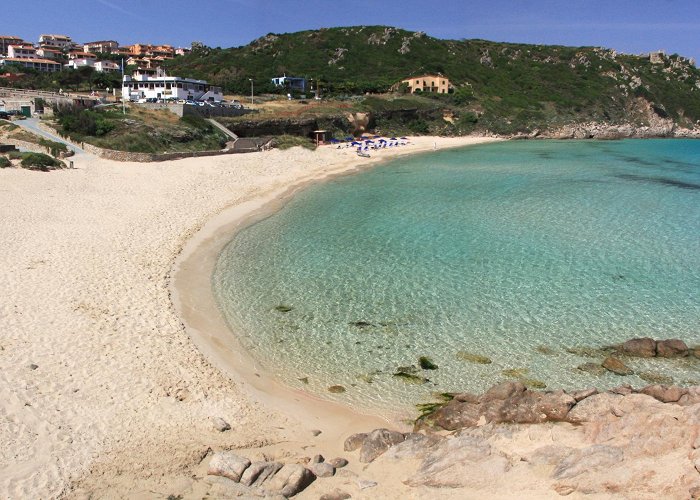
column 410, row 378
column 515, row 372
column 283, row 308
column 642, row 347
column 336, row 389
column 473, row 358
column 592, row 368
column 361, row 324
column 426, row 363
column 616, row 366
column 672, row 348
column 543, row 349
column 655, row 378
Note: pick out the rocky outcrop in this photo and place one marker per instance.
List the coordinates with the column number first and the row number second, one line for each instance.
column 640, row 443
column 512, row 402
column 234, row 476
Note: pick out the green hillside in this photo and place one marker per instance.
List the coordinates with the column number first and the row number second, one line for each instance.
column 510, row 87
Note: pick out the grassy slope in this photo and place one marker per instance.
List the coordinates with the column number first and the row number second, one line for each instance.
column 153, row 131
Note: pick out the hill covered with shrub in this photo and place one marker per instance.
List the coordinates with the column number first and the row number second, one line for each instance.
column 509, row 87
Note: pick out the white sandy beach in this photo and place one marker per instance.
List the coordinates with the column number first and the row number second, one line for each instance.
column 102, row 391
column 114, row 360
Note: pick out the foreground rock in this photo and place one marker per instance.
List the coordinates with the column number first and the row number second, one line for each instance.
column 257, row 478
column 509, row 402
column 624, row 442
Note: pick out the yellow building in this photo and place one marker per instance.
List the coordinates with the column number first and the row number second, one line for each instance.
column 427, row 83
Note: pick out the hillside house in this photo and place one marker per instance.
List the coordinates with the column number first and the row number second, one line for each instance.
column 60, row 42
column 37, row 64
column 438, row 83
column 6, row 41
column 290, row 82
column 25, row 51
column 49, row 53
column 103, row 46
column 106, row 67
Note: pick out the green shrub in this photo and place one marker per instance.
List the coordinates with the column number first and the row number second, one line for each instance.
column 290, row 141
column 40, row 161
column 55, row 148
column 4, row 162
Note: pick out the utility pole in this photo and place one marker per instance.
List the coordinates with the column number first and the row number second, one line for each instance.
column 123, row 103
column 251, row 90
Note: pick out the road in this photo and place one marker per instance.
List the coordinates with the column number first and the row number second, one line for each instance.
column 32, row 125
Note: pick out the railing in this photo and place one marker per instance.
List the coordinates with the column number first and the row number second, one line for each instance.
column 8, row 91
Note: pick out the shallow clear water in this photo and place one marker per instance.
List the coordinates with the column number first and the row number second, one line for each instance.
column 496, row 250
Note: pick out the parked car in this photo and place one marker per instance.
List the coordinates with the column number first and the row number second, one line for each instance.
column 190, row 102
column 151, row 99
column 4, row 115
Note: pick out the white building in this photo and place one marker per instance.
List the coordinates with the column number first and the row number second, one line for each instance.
column 168, row 87
column 22, row 52
column 106, row 67
column 37, row 64
column 79, row 63
column 55, row 41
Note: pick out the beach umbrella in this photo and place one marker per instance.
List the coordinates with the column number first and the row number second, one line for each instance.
column 393, row 138
column 355, row 143
column 382, row 140
column 368, row 141
column 377, row 136
column 349, row 138
column 404, row 138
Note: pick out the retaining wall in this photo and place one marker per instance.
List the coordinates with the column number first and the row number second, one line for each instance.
column 111, row 154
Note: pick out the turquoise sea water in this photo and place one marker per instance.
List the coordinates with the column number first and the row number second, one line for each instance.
column 497, row 250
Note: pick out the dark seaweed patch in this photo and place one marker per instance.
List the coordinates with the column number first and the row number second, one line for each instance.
column 660, row 180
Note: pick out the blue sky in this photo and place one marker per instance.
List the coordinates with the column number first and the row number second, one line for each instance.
column 631, row 26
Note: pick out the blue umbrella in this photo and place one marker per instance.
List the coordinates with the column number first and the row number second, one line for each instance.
column 377, row 136
column 355, row 143
column 393, row 138
column 405, row 138
column 349, row 138
column 368, row 141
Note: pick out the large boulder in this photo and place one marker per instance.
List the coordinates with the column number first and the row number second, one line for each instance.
column 452, row 416
column 672, row 348
column 503, row 391
column 642, row 347
column 377, row 442
column 594, row 407
column 665, row 394
column 289, row 480
column 228, row 465
column 259, row 472
column 354, row 442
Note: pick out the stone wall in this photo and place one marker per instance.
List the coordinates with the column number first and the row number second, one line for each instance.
column 190, row 110
column 111, row 154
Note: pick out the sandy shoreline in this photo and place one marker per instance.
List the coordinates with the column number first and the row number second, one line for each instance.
column 103, row 391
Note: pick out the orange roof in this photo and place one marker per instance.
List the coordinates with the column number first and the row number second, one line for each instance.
column 10, row 37
column 19, row 59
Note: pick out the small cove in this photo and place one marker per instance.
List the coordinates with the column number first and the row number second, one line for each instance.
column 520, row 252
